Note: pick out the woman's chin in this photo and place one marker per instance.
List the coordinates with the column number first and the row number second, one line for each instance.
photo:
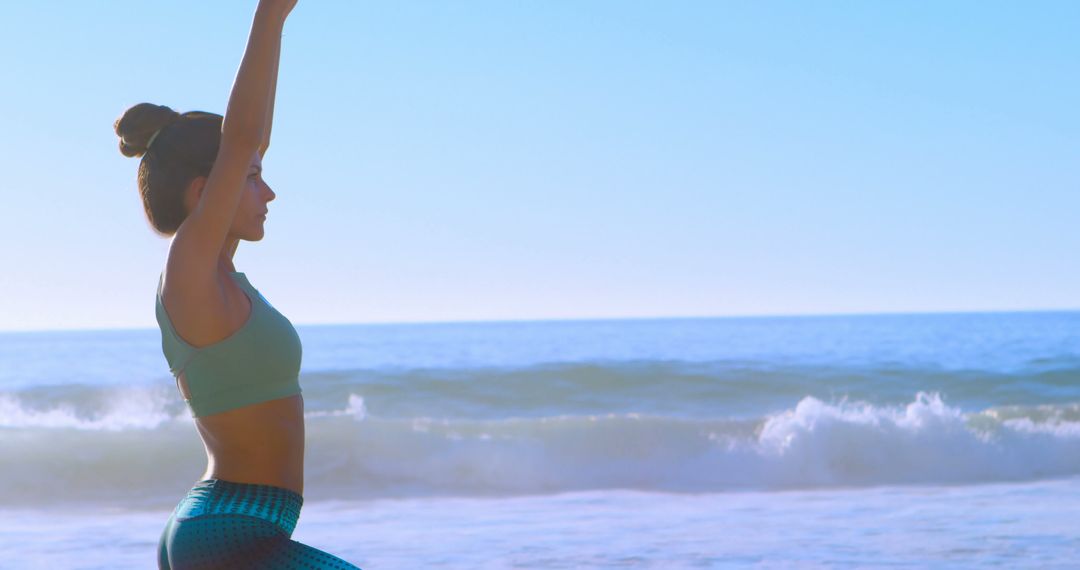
column 254, row 236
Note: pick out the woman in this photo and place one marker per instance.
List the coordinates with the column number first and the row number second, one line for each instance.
column 235, row 358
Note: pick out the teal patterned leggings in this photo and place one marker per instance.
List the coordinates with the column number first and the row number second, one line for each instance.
column 225, row 524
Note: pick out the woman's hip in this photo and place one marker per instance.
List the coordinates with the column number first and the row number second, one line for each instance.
column 223, row 523
column 218, row 497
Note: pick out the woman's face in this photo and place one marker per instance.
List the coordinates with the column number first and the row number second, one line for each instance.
column 251, row 213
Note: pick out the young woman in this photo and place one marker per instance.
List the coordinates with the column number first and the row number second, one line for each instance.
column 235, row 358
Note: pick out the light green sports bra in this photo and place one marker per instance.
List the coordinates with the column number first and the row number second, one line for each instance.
column 257, row 363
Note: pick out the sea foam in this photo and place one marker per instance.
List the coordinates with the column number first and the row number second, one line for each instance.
column 351, row 454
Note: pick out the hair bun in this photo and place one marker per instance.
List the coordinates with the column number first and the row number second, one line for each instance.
column 139, row 123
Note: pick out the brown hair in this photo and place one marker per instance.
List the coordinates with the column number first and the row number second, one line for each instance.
column 184, row 149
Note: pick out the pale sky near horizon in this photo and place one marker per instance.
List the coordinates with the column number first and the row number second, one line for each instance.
column 488, row 160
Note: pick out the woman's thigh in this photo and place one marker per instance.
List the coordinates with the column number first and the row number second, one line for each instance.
column 289, row 555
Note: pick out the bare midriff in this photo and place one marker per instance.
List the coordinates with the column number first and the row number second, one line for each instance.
column 262, row 443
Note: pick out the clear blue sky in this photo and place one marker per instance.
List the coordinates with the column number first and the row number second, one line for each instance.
column 491, row 160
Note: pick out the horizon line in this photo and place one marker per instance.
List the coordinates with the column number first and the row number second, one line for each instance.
column 596, row 319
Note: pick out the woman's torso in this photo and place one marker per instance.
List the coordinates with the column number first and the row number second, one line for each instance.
column 259, row 443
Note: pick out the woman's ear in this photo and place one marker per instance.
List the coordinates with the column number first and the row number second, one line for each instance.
column 193, row 193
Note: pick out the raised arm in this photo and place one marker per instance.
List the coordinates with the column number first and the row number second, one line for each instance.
column 198, row 242
column 270, row 110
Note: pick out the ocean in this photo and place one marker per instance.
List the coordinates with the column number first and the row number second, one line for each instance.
column 891, row 441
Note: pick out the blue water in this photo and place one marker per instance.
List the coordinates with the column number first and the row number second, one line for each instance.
column 948, row 440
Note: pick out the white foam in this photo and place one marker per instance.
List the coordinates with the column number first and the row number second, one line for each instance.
column 124, row 409
column 1055, row 428
column 354, row 409
column 815, row 444
column 352, row 455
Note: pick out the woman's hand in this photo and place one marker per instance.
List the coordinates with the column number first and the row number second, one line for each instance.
column 280, row 8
